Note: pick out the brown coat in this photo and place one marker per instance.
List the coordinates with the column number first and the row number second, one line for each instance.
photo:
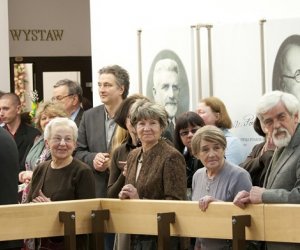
column 163, row 173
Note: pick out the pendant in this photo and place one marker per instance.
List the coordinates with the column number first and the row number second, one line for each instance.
column 207, row 186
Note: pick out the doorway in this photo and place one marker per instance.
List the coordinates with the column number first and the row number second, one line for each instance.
column 44, row 72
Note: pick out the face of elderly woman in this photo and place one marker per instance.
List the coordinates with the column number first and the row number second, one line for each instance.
column 61, row 142
column 148, row 131
column 211, row 155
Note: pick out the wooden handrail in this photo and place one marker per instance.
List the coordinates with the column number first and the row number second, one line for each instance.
column 268, row 222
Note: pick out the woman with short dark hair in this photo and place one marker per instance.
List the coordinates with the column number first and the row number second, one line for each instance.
column 187, row 125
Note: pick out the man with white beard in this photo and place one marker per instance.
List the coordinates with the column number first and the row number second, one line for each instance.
column 279, row 113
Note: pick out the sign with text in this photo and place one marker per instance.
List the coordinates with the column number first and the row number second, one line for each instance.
column 50, row 35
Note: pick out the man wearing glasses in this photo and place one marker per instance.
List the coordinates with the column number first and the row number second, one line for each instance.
column 286, row 72
column 69, row 93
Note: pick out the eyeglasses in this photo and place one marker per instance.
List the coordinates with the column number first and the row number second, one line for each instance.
column 296, row 77
column 186, row 132
column 58, row 140
column 59, row 98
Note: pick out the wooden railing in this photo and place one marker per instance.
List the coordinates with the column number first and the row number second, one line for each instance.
column 279, row 223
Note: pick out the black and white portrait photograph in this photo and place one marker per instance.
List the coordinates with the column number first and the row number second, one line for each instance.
column 168, row 84
column 286, row 71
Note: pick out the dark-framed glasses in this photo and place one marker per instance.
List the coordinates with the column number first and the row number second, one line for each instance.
column 185, row 132
column 59, row 97
column 296, row 76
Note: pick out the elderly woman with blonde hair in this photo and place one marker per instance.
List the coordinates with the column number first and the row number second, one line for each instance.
column 219, row 180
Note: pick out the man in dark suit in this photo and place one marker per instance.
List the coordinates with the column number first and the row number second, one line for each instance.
column 9, row 169
column 69, row 93
column 97, row 125
column 23, row 133
column 279, row 113
column 97, row 128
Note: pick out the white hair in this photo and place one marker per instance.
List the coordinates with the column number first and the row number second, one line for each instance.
column 61, row 121
column 164, row 65
column 271, row 99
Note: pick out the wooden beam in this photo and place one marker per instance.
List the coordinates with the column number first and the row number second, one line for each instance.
column 268, row 222
column 130, row 216
column 282, row 222
column 36, row 220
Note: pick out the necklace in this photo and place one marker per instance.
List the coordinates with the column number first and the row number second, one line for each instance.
column 209, row 181
column 208, row 184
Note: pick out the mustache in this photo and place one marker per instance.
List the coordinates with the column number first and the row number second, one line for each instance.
column 171, row 103
column 279, row 130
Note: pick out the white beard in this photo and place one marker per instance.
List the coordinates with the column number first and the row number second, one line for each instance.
column 281, row 142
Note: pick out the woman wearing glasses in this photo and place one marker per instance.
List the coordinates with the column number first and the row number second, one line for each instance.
column 63, row 177
column 39, row 153
column 186, row 126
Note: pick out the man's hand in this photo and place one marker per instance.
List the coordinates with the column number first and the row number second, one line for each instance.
column 256, row 195
column 101, row 162
column 242, row 199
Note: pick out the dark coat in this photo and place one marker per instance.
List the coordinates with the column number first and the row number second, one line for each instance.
column 79, row 117
column 24, row 138
column 256, row 164
column 91, row 141
column 9, row 169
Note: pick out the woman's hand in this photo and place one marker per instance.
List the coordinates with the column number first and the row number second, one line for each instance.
column 41, row 198
column 269, row 144
column 204, row 201
column 25, row 176
column 128, row 192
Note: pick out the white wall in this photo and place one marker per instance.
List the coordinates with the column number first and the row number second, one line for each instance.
column 4, row 52
column 114, row 24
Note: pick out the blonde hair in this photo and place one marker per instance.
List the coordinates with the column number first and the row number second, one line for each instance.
column 50, row 109
column 121, row 135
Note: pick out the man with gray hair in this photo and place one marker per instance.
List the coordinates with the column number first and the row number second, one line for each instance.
column 166, row 87
column 278, row 112
column 69, row 93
